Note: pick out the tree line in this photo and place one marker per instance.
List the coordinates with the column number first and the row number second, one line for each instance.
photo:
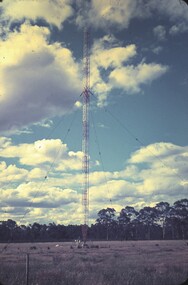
column 159, row 222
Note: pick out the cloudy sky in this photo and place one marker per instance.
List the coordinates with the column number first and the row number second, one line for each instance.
column 138, row 111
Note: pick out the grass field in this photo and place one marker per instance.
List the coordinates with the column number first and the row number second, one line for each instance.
column 104, row 263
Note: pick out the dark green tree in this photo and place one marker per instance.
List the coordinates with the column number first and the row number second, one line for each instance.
column 106, row 217
column 147, row 217
column 181, row 213
column 163, row 209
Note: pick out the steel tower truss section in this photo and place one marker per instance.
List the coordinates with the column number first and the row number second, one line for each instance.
column 85, row 133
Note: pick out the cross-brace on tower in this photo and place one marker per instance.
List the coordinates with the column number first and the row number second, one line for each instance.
column 85, row 132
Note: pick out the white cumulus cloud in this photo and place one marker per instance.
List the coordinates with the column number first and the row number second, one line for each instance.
column 42, row 153
column 154, row 173
column 38, row 80
column 131, row 77
column 119, row 13
column 54, row 12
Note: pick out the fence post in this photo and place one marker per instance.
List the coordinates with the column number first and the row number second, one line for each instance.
column 27, row 269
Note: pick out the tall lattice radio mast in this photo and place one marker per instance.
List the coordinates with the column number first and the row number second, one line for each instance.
column 85, row 132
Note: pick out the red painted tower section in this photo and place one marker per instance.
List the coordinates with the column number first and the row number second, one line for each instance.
column 85, row 133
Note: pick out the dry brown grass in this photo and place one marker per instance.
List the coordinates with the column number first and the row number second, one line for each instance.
column 113, row 263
